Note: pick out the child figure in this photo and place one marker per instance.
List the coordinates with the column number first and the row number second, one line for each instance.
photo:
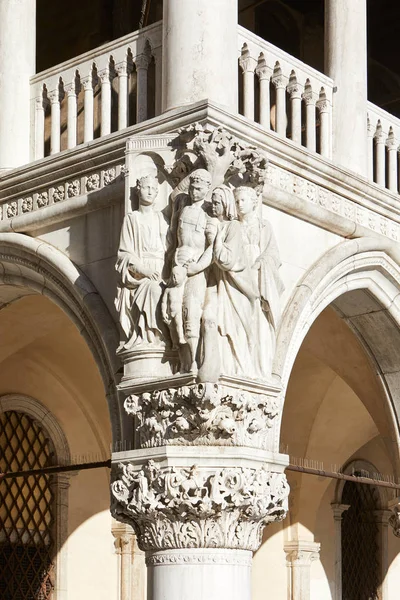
column 172, row 304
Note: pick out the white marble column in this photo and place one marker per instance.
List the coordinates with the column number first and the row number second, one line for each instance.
column 200, row 52
column 17, row 65
column 346, row 64
column 338, row 510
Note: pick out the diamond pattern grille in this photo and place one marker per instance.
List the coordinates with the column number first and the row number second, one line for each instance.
column 360, row 550
column 26, row 511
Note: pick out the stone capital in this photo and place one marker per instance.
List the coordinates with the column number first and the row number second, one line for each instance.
column 301, row 553
column 338, row 510
column 394, row 519
column 262, row 69
column 246, row 61
column 142, row 61
column 323, row 105
column 198, row 506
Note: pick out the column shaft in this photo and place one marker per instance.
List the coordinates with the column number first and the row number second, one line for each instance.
column 200, row 52
column 17, row 65
column 199, row 574
column 346, row 64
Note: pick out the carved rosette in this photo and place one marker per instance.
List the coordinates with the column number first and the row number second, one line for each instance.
column 203, row 414
column 198, row 507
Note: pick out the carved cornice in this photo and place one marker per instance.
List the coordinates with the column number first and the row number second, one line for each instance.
column 198, row 507
column 203, row 414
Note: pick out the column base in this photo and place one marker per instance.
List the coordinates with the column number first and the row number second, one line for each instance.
column 199, row 574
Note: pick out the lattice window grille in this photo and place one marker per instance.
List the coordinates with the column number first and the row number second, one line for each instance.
column 26, row 511
column 360, row 548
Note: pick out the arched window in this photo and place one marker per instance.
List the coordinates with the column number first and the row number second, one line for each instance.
column 361, row 562
column 32, row 508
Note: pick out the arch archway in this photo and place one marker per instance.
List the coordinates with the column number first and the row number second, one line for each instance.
column 30, row 266
column 337, row 359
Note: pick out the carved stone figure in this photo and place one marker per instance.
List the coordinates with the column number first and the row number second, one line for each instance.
column 262, row 255
column 190, row 239
column 140, row 265
column 231, row 297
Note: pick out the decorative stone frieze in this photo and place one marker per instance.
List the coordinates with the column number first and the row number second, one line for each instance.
column 42, row 199
column 61, row 192
column 198, row 507
column 93, row 182
column 203, row 414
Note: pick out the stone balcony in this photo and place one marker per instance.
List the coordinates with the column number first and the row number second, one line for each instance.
column 84, row 111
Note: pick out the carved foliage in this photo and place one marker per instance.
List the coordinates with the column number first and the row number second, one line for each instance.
column 198, row 508
column 202, row 414
column 226, row 158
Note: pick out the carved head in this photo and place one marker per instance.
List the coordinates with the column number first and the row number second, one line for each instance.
column 199, row 185
column 147, row 187
column 178, row 275
column 223, row 203
column 246, row 200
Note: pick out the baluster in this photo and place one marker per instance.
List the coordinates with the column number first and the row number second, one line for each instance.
column 88, row 85
column 55, row 99
column 105, row 77
column 72, row 90
column 280, row 82
column 324, row 107
column 40, row 107
column 310, row 99
column 380, row 139
column 264, row 75
column 123, row 73
column 370, row 142
column 157, row 53
column 393, row 146
column 142, row 63
column 294, row 89
column 248, row 64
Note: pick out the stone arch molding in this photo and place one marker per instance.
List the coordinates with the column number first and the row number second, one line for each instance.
column 28, row 263
column 360, row 264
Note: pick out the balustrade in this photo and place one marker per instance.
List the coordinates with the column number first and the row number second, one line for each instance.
column 285, row 95
column 383, row 148
column 91, row 95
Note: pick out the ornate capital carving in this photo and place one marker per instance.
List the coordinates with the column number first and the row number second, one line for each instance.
column 246, row 61
column 301, row 552
column 198, row 507
column 202, row 414
column 263, row 70
column 105, row 75
column 72, row 89
column 142, row 61
column 55, row 96
column 394, row 519
column 295, row 89
column 309, row 97
column 338, row 510
column 323, row 105
column 88, row 83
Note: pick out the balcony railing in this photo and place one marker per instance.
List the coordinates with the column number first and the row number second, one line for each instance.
column 101, row 91
column 383, row 148
column 285, row 95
